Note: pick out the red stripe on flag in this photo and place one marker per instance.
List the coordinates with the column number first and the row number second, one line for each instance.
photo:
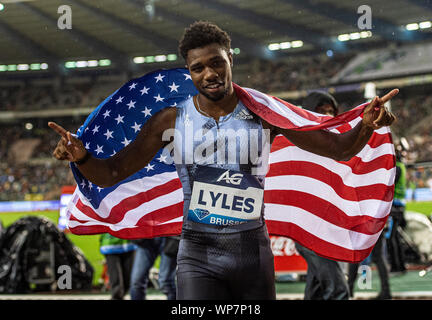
column 325, row 210
column 117, row 212
column 318, row 245
column 171, row 229
column 307, row 169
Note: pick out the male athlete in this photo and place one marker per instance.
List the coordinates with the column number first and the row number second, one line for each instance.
column 224, row 250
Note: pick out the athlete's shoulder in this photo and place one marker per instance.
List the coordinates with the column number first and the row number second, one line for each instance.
column 184, row 103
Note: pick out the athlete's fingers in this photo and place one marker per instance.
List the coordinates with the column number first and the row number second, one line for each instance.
column 389, row 95
column 72, row 139
column 59, row 129
column 381, row 115
column 386, row 119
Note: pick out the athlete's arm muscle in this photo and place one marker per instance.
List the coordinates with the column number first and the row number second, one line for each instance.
column 132, row 158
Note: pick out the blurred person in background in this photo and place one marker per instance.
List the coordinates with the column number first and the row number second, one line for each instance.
column 378, row 258
column 146, row 253
column 325, row 279
column 119, row 255
column 397, row 218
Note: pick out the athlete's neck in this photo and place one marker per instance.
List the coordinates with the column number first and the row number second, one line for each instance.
column 216, row 109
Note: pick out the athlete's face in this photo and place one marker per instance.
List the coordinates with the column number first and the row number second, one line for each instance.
column 210, row 69
column 326, row 109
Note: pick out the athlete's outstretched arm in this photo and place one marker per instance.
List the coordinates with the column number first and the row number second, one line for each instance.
column 132, row 158
column 342, row 147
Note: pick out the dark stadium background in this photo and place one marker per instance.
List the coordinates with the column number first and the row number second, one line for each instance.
column 282, row 47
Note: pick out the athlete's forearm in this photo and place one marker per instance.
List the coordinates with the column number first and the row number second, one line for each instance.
column 340, row 147
column 135, row 156
column 353, row 141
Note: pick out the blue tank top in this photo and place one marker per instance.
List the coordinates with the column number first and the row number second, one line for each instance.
column 237, row 142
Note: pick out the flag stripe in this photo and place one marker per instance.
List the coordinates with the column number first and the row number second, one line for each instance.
column 130, row 203
column 329, row 232
column 321, row 247
column 357, row 190
column 367, row 224
column 304, row 184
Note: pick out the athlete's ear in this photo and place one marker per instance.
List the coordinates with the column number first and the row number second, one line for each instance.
column 230, row 57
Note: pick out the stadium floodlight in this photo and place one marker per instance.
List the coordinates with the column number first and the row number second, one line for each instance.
column 365, row 34
column 44, row 66
column 35, row 66
column 173, row 57
column 160, row 58
column 3, row 68
column 92, row 63
column 297, row 44
column 150, row 59
column 355, row 36
column 139, row 60
column 104, row 62
column 425, row 24
column 81, row 64
column 70, row 64
column 412, row 26
column 23, row 67
column 274, row 46
column 1, row 6
column 285, row 45
column 11, row 67
column 344, row 37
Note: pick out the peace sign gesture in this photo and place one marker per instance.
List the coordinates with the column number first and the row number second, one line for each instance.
column 69, row 146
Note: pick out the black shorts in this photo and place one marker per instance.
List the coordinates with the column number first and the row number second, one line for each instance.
column 225, row 266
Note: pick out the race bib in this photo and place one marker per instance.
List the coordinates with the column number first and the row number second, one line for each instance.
column 225, row 197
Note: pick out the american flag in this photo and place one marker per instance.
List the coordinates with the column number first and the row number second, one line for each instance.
column 337, row 209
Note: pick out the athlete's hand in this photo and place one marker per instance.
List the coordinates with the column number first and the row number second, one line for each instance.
column 376, row 115
column 69, row 147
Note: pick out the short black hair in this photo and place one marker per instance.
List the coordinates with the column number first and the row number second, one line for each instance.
column 316, row 99
column 200, row 34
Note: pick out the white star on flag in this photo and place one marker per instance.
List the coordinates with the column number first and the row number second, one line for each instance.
column 95, row 129
column 87, row 145
column 119, row 119
column 147, row 112
column 108, row 134
column 125, row 142
column 159, row 98
column 132, row 86
column 107, row 113
column 82, row 184
column 144, row 90
column 131, row 104
column 187, row 76
column 149, row 167
column 173, row 87
column 99, row 149
column 162, row 158
column 120, row 99
column 159, row 78
column 90, row 185
column 136, row 127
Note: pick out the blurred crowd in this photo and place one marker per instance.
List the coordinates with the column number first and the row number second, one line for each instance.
column 299, row 73
column 27, row 170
